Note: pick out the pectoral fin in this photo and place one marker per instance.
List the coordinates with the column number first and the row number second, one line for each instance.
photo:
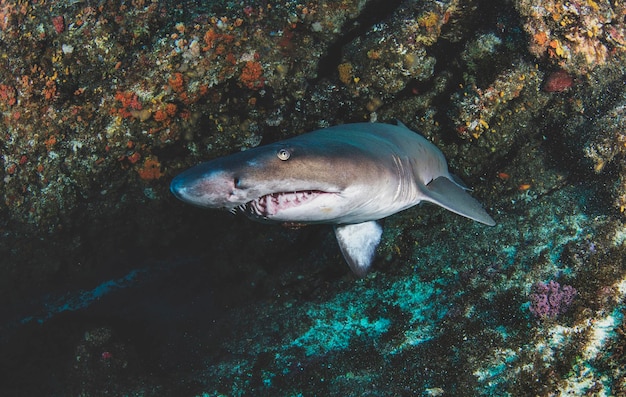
column 358, row 244
column 446, row 193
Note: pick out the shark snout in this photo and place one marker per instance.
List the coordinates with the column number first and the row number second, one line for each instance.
column 210, row 190
column 179, row 188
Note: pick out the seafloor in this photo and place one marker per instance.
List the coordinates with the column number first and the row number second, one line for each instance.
column 110, row 286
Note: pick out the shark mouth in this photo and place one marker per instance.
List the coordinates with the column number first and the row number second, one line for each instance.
column 271, row 204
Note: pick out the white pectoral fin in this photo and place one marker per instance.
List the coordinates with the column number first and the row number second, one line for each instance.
column 358, row 244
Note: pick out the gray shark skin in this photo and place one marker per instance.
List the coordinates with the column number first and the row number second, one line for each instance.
column 349, row 176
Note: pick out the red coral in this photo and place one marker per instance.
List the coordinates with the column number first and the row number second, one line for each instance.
column 249, row 11
column 59, row 24
column 133, row 158
column 558, row 81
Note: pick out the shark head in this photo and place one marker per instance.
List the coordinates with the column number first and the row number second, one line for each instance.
column 289, row 181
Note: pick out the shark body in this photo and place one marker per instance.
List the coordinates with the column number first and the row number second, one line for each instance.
column 349, row 176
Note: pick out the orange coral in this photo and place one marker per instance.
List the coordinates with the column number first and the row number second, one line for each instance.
column 176, row 82
column 129, row 102
column 50, row 142
column 50, row 90
column 541, row 38
column 231, row 58
column 7, row 9
column 151, row 169
column 170, row 109
column 251, row 75
column 555, row 49
column 211, row 37
column 165, row 113
column 160, row 115
column 8, row 94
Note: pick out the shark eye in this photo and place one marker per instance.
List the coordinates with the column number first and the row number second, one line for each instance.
column 237, row 182
column 283, row 154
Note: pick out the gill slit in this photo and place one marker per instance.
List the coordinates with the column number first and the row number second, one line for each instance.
column 400, row 172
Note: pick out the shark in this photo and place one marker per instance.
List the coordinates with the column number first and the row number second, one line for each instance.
column 350, row 176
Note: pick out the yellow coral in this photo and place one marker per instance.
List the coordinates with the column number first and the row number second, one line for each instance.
column 428, row 20
column 556, row 49
column 345, row 72
column 593, row 5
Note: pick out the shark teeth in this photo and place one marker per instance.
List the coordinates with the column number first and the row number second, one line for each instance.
column 271, row 204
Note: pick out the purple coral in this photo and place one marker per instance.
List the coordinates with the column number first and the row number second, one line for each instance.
column 549, row 300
